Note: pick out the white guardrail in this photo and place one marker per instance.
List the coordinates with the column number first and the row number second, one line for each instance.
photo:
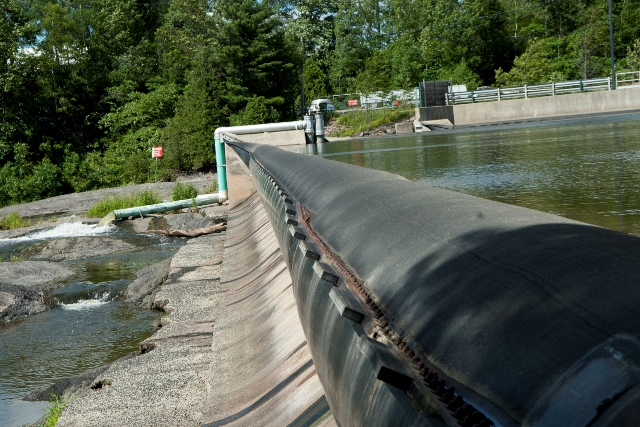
column 533, row 91
column 631, row 78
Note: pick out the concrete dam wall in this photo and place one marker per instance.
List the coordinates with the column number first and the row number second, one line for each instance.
column 422, row 306
column 532, row 108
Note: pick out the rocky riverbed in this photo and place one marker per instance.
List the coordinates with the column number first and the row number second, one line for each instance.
column 36, row 264
column 48, row 264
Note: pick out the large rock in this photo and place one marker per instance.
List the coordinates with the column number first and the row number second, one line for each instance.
column 183, row 221
column 74, row 387
column 404, row 127
column 17, row 302
column 76, row 248
column 147, row 283
column 33, row 273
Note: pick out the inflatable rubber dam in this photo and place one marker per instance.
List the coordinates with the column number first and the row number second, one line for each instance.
column 427, row 307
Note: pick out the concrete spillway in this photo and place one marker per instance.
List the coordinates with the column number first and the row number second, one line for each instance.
column 261, row 371
column 423, row 306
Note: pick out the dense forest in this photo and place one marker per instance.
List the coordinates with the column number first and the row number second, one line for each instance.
column 89, row 86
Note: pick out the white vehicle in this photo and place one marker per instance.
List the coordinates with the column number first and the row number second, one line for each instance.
column 320, row 105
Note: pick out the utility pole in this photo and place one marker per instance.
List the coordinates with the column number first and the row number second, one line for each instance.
column 613, row 62
column 302, row 103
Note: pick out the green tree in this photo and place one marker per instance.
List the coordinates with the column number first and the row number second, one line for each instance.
column 540, row 63
column 257, row 111
column 631, row 61
column 360, row 29
column 254, row 56
column 134, row 128
column 461, row 74
column 315, row 81
column 185, row 30
column 473, row 30
column 17, row 81
column 589, row 43
column 188, row 137
column 314, row 21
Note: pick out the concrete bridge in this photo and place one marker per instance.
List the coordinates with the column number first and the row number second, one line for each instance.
column 416, row 306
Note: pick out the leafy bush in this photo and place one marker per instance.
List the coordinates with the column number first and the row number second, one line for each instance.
column 109, row 204
column 183, row 191
column 11, row 221
column 22, row 182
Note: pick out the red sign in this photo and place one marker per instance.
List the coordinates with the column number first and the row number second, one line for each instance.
column 156, row 152
column 352, row 102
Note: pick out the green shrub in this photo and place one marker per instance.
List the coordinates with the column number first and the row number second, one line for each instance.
column 109, row 204
column 183, row 191
column 11, row 221
column 53, row 412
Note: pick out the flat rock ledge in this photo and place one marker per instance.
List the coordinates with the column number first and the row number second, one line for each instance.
column 166, row 384
column 182, row 221
column 32, row 274
column 72, row 248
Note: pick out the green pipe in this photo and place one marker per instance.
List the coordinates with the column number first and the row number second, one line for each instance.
column 140, row 211
column 222, row 168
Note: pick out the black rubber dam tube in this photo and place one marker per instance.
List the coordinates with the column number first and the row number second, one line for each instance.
column 423, row 306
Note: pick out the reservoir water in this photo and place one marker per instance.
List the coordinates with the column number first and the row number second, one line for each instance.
column 88, row 327
column 583, row 169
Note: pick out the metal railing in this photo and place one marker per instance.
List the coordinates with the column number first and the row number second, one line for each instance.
column 628, row 79
column 375, row 100
column 524, row 92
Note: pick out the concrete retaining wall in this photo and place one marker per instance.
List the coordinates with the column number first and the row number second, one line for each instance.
column 549, row 106
column 277, row 139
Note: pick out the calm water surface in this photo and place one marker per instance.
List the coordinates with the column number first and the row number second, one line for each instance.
column 587, row 169
column 88, row 327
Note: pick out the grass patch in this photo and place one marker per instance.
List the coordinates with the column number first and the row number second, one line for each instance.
column 16, row 258
column 53, row 412
column 109, row 204
column 11, row 221
column 183, row 191
column 354, row 122
column 212, row 189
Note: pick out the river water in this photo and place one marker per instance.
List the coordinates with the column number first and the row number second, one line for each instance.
column 89, row 326
column 583, row 169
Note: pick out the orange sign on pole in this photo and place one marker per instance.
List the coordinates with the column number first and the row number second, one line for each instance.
column 156, row 152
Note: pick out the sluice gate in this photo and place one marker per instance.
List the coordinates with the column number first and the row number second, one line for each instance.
column 426, row 307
